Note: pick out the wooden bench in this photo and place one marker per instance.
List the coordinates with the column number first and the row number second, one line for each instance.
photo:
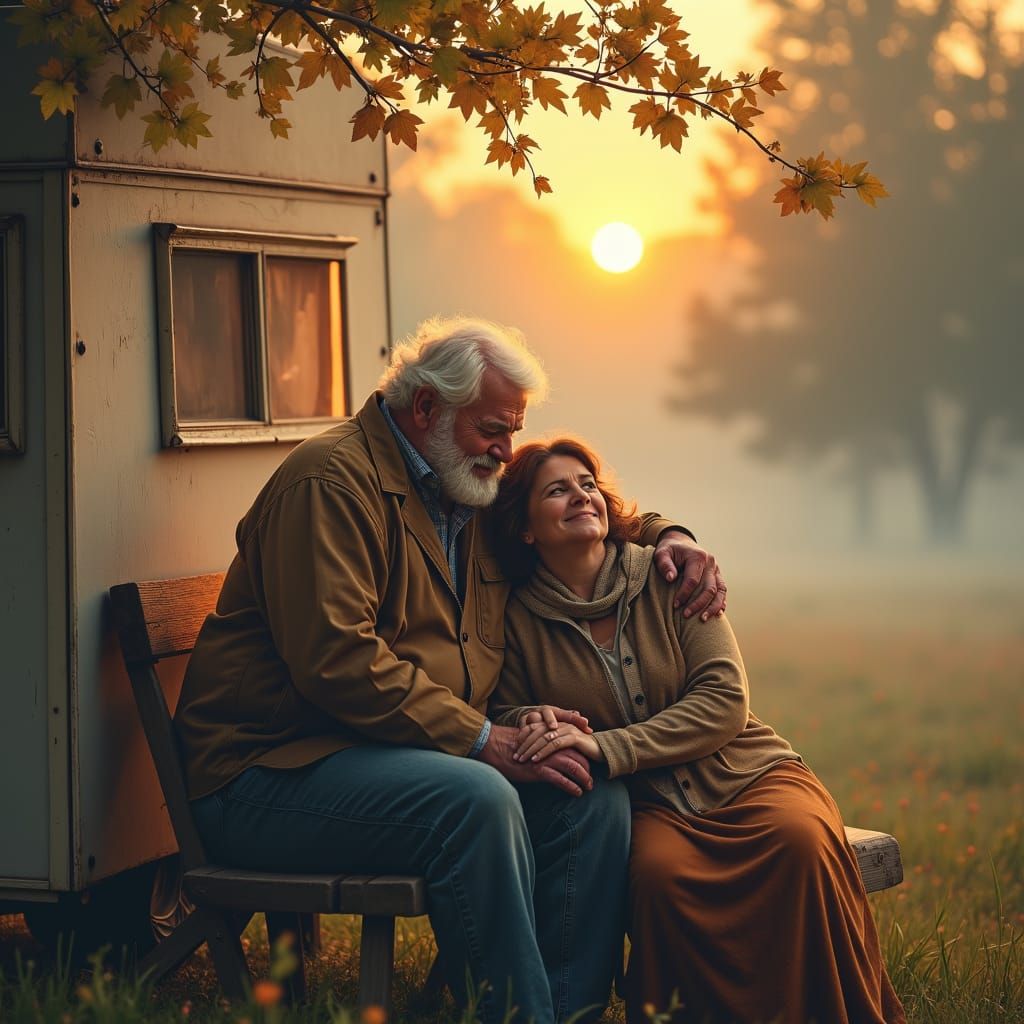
column 161, row 619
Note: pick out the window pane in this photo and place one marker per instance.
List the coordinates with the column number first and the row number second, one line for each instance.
column 213, row 345
column 304, row 338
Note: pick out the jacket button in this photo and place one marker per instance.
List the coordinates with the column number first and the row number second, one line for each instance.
column 627, row 660
column 638, row 699
column 465, row 638
column 686, row 783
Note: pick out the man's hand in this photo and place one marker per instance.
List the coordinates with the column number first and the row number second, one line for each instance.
column 567, row 770
column 701, row 587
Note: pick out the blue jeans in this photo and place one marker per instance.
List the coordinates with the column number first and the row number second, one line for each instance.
column 526, row 886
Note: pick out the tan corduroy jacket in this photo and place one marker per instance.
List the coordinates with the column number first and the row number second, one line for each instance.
column 337, row 624
column 689, row 704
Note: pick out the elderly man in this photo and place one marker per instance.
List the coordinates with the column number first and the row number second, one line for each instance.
column 333, row 714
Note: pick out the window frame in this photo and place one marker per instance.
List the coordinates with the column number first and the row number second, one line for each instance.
column 258, row 245
column 12, row 334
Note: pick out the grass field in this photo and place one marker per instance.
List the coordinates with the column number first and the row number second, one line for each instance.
column 910, row 706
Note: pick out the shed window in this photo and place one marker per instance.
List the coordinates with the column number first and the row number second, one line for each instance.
column 253, row 341
column 12, row 346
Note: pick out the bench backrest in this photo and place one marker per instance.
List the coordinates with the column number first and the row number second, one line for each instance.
column 161, row 619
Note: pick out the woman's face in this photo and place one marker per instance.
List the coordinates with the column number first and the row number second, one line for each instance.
column 565, row 506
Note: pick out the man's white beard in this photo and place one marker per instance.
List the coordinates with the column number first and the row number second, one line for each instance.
column 455, row 469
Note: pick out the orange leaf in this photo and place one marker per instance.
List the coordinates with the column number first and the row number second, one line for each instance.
column 593, row 99
column 402, row 127
column 549, row 93
column 367, row 122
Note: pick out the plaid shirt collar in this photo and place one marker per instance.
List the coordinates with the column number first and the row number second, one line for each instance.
column 428, row 486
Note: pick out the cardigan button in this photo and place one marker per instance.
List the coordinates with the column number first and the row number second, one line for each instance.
column 465, row 638
column 639, row 699
column 627, row 660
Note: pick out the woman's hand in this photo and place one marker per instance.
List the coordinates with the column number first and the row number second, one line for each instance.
column 549, row 715
column 538, row 740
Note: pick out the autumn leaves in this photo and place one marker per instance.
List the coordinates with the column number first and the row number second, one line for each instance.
column 492, row 62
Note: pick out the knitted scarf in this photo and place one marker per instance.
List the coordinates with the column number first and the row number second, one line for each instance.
column 623, row 568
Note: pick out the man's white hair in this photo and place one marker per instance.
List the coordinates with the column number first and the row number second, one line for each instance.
column 451, row 355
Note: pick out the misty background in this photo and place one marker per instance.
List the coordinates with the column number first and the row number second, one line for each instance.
column 826, row 399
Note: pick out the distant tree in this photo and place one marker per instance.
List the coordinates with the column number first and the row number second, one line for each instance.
column 895, row 344
column 491, row 58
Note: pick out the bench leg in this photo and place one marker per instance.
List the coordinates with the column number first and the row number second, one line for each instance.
column 279, row 924
column 310, row 926
column 376, row 962
column 172, row 951
column 221, row 934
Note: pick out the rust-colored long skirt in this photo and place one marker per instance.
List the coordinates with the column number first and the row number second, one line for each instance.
column 754, row 913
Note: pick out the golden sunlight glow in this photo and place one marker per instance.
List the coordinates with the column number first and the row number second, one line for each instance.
column 617, row 247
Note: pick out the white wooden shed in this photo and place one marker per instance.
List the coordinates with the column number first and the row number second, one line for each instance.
column 170, row 324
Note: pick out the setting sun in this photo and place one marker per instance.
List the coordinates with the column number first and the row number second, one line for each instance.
column 617, row 247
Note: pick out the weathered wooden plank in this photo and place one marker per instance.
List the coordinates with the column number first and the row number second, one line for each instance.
column 172, row 613
column 263, row 890
column 878, row 855
column 398, row 895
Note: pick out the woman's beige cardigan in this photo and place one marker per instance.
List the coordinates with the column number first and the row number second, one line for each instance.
column 689, row 707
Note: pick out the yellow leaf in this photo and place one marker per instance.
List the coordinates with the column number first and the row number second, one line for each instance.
column 279, row 127
column 55, row 96
column 127, row 15
column 446, row 64
column 541, row 185
column 593, row 98
column 191, row 125
column 160, row 130
column 121, row 93
column 871, row 189
column 402, row 127
column 367, row 122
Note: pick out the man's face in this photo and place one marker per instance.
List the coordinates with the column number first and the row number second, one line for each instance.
column 468, row 447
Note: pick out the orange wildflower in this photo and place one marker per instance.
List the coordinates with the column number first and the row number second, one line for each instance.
column 267, row 993
column 374, row 1015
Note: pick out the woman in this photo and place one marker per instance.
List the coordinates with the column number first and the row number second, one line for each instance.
column 745, row 899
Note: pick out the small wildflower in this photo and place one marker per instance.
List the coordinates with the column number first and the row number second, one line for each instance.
column 942, row 828
column 904, row 803
column 650, row 1009
column 84, row 993
column 971, row 851
column 374, row 1015
column 186, row 1007
column 267, row 993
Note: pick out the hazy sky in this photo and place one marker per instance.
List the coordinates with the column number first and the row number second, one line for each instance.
column 466, row 238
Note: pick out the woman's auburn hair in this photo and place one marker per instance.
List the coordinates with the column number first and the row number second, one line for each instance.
column 509, row 514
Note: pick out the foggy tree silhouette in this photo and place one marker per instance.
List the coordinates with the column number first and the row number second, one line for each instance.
column 881, row 343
